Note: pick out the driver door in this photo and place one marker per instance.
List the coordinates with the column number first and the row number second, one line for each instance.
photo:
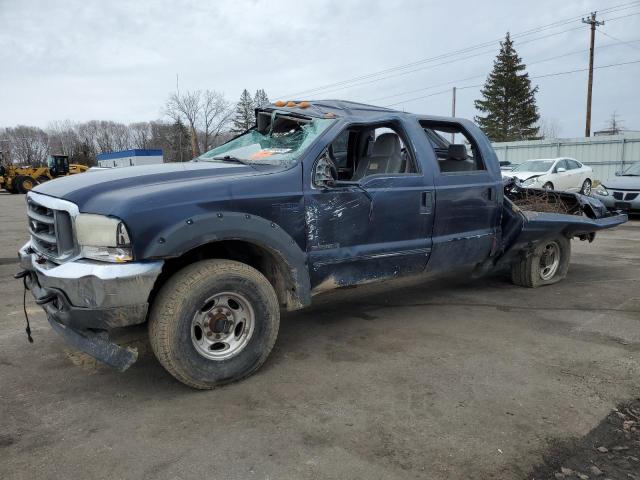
column 379, row 225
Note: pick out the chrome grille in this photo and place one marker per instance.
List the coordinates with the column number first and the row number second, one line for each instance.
column 51, row 228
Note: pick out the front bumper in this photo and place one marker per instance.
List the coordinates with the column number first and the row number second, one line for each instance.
column 84, row 294
column 630, row 206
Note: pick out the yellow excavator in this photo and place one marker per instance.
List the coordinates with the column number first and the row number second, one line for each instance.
column 16, row 179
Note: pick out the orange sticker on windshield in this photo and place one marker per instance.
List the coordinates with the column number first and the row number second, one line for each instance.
column 267, row 152
column 261, row 154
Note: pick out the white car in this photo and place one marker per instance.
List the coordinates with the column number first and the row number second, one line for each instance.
column 563, row 174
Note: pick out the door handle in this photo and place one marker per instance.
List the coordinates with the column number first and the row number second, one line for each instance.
column 426, row 202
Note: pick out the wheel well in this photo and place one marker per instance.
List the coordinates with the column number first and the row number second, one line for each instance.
column 266, row 261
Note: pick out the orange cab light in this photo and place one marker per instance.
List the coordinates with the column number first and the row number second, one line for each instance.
column 291, row 104
column 279, row 103
column 304, row 104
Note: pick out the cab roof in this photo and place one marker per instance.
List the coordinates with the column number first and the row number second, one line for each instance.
column 344, row 109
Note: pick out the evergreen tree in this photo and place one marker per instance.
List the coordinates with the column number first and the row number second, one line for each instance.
column 508, row 102
column 244, row 117
column 260, row 99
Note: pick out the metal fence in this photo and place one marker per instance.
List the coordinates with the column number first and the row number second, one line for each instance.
column 604, row 154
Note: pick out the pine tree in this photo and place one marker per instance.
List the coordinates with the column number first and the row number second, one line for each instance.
column 508, row 102
column 244, row 117
column 260, row 99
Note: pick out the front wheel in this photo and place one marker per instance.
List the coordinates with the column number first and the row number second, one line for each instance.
column 24, row 183
column 548, row 186
column 548, row 264
column 214, row 322
column 586, row 187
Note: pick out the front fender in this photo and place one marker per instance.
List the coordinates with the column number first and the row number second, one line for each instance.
column 198, row 230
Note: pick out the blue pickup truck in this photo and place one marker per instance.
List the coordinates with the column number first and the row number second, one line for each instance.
column 316, row 196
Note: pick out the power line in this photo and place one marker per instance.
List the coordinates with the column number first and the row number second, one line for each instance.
column 454, row 82
column 556, row 24
column 353, row 84
column 447, row 62
column 554, row 74
column 628, row 43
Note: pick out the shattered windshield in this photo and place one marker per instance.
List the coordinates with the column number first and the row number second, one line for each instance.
column 537, row 166
column 278, row 139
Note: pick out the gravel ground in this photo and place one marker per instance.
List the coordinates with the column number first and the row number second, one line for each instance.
column 443, row 379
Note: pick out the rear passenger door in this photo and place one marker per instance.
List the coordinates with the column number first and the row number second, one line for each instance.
column 578, row 174
column 468, row 187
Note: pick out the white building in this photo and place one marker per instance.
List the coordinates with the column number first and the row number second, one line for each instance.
column 129, row 158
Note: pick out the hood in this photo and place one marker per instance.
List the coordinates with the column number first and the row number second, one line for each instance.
column 130, row 181
column 522, row 175
column 622, row 183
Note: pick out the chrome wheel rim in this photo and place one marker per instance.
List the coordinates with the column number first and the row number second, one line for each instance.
column 549, row 261
column 223, row 326
column 586, row 187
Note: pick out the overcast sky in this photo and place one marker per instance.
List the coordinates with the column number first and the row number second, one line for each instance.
column 116, row 60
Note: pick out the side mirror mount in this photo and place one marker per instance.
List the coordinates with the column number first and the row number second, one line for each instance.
column 561, row 170
column 324, row 172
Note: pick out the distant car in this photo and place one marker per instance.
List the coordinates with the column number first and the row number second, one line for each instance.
column 564, row 174
column 506, row 166
column 621, row 192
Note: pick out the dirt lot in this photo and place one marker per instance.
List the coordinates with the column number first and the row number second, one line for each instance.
column 444, row 379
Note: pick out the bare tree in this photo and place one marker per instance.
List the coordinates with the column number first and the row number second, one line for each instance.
column 28, row 145
column 216, row 115
column 140, row 134
column 188, row 109
column 111, row 136
column 549, row 128
column 615, row 125
column 63, row 137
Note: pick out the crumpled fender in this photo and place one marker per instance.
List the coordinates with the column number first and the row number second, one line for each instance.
column 198, row 230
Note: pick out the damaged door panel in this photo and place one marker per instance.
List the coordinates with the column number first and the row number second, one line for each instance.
column 317, row 195
column 375, row 221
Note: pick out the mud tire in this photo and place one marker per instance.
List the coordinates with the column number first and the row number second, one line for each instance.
column 178, row 301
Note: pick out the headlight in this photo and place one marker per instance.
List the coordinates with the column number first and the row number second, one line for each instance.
column 600, row 190
column 529, row 181
column 103, row 238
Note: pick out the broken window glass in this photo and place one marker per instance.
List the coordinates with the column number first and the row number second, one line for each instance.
column 279, row 141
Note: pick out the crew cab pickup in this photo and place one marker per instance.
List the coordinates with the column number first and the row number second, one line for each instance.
column 316, row 196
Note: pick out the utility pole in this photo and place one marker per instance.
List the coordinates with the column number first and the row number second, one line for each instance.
column 591, row 20
column 453, row 111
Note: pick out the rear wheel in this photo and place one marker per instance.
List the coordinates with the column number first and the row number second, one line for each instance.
column 548, row 186
column 24, row 183
column 548, row 264
column 586, row 187
column 214, row 322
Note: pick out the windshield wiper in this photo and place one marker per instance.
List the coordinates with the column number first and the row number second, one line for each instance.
column 228, row 158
